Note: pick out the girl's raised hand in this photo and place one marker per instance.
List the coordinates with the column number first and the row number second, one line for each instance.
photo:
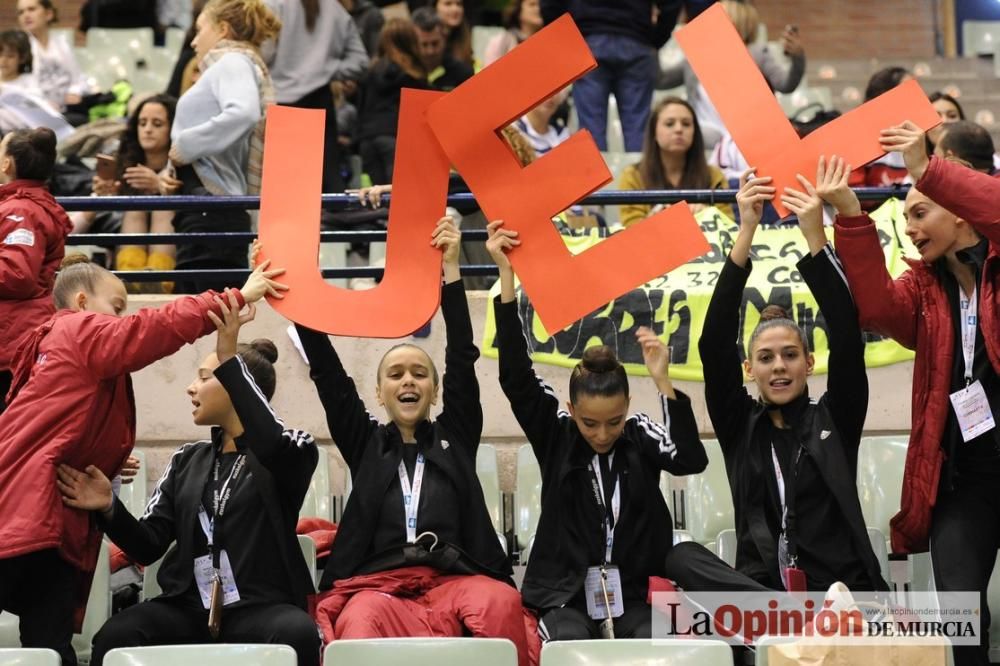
column 909, row 140
column 656, row 356
column 447, row 238
column 261, row 282
column 751, row 197
column 500, row 241
column 88, row 490
column 832, row 187
column 807, row 205
column 228, row 325
column 129, row 469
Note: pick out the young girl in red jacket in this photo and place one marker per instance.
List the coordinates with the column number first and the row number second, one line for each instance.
column 33, row 230
column 946, row 308
column 71, row 403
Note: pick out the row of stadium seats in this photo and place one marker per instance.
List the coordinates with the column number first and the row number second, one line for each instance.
column 425, row 652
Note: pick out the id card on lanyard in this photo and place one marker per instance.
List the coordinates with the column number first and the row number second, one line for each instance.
column 411, row 495
column 603, row 584
column 793, row 578
column 216, row 565
column 971, row 405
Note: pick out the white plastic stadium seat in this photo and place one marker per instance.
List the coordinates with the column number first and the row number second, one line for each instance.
column 637, row 652
column 421, row 652
column 527, row 496
column 29, row 657
column 214, row 654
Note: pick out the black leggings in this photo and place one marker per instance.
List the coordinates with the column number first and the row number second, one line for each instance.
column 172, row 622
column 322, row 98
column 39, row 588
column 965, row 534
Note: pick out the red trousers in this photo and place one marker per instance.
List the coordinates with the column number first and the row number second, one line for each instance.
column 440, row 606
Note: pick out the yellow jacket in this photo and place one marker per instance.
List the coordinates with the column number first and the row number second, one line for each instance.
column 631, row 180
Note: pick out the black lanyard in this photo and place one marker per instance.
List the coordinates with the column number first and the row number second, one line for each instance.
column 220, row 501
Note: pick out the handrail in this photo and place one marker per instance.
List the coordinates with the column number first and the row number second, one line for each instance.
column 460, row 200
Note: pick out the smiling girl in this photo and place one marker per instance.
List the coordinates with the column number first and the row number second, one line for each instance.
column 791, row 459
column 416, row 518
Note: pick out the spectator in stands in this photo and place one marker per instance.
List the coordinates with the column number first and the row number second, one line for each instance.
column 186, row 66
column 889, row 169
column 522, row 18
column 142, row 169
column 54, row 64
column 598, row 443
column 33, row 230
column 249, row 478
column 946, row 308
column 673, row 158
column 444, row 71
column 416, row 496
column 538, row 127
column 174, row 13
column 968, row 142
column 15, row 62
column 218, row 132
column 788, row 455
column 397, row 66
column 458, row 35
column 318, row 43
column 624, row 38
column 949, row 110
column 783, row 78
column 369, row 21
column 71, row 403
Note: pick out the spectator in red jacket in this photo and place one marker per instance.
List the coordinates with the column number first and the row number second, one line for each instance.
column 71, row 403
column 33, row 230
column 946, row 308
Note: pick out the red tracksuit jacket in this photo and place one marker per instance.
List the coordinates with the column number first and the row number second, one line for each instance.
column 33, row 230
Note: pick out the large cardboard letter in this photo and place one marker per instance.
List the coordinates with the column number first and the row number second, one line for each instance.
column 757, row 123
column 466, row 122
column 410, row 291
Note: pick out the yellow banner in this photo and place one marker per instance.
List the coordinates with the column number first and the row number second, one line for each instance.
column 674, row 305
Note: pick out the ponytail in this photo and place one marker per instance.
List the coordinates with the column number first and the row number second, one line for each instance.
column 76, row 273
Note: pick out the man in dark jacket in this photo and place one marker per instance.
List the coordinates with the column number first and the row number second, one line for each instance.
column 444, row 72
column 624, row 36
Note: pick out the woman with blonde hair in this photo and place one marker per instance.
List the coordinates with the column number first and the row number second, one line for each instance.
column 218, row 132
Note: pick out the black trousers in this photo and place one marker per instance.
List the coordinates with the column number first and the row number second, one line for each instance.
column 173, row 622
column 965, row 535
column 322, row 98
column 571, row 623
column 39, row 588
column 5, row 379
column 696, row 569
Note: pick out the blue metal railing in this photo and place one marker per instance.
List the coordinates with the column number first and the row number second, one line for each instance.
column 344, row 202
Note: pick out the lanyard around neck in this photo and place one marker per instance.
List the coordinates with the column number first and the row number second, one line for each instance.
column 411, row 495
column 609, row 515
column 969, row 315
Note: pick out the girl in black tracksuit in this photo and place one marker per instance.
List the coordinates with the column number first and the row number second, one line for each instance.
column 791, row 460
column 260, row 472
column 375, row 534
column 600, row 469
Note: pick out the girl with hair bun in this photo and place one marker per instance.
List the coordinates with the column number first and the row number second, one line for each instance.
column 602, row 510
column 71, row 403
column 791, row 460
column 33, row 230
column 229, row 506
